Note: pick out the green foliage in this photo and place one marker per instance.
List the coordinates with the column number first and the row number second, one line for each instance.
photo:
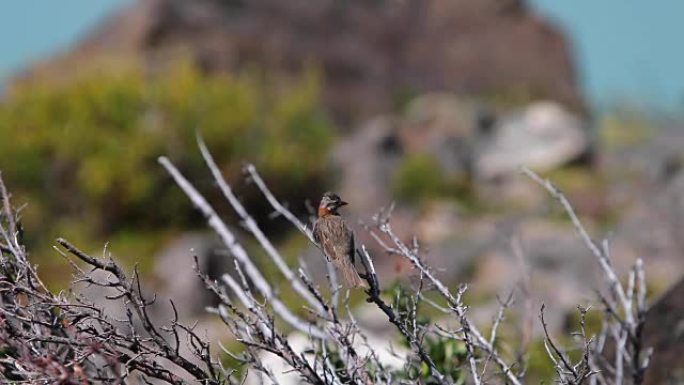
column 449, row 355
column 418, row 177
column 624, row 125
column 513, row 96
column 539, row 366
column 85, row 151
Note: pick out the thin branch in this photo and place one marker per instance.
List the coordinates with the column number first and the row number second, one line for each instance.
column 252, row 226
column 238, row 251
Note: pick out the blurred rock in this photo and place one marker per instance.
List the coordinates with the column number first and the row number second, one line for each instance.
column 664, row 332
column 366, row 160
column 440, row 220
column 97, row 295
column 654, row 158
column 542, row 136
column 446, row 126
column 174, row 279
column 371, row 53
column 453, row 243
column 441, row 113
column 177, row 280
column 514, row 191
column 474, row 149
column 651, row 229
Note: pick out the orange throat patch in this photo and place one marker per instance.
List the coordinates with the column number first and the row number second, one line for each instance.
column 323, row 212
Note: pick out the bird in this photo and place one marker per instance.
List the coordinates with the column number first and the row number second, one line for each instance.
column 336, row 239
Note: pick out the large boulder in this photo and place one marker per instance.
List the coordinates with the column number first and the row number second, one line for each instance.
column 543, row 136
column 664, row 332
column 371, row 54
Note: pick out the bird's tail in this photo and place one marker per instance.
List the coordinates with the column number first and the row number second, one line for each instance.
column 351, row 277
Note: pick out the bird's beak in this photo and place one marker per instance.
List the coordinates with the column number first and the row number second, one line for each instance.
column 343, row 203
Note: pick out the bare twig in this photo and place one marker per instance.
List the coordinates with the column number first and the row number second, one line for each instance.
column 624, row 321
column 252, row 226
column 239, row 252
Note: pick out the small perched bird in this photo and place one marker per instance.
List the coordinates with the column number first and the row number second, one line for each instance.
column 336, row 238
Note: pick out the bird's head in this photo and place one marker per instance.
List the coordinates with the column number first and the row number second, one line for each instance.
column 329, row 204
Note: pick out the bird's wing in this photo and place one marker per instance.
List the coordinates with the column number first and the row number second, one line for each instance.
column 315, row 231
column 343, row 238
column 325, row 241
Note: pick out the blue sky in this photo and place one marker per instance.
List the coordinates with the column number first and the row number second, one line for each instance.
column 33, row 29
column 625, row 49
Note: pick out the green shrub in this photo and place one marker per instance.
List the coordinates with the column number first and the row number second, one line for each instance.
column 449, row 355
column 624, row 124
column 86, row 150
column 418, row 177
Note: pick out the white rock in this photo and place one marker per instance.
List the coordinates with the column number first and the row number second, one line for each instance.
column 542, row 136
column 391, row 356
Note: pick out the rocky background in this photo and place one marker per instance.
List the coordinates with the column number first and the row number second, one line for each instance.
column 430, row 104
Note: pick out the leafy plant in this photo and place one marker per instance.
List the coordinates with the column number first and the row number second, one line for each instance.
column 418, row 177
column 82, row 150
